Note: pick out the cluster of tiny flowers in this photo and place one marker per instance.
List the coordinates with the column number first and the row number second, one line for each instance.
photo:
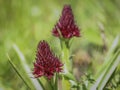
column 46, row 62
column 66, row 26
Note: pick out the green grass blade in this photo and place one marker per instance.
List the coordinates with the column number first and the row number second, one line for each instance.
column 109, row 56
column 15, row 68
column 34, row 81
column 109, row 72
column 112, row 49
column 107, row 63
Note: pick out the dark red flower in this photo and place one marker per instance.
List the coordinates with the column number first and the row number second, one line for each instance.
column 46, row 62
column 66, row 26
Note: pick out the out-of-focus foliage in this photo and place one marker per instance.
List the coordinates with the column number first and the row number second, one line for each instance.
column 26, row 22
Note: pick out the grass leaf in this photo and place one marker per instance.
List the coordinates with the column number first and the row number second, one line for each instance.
column 110, row 70
column 15, row 68
column 109, row 66
column 25, row 66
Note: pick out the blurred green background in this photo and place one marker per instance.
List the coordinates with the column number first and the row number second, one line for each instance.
column 26, row 22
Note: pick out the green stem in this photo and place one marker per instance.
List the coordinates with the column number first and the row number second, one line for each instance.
column 65, row 56
column 51, row 82
column 56, row 82
column 67, row 63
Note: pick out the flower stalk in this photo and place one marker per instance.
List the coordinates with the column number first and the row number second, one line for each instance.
column 65, row 56
column 56, row 82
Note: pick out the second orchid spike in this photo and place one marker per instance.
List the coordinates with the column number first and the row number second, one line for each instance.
column 66, row 26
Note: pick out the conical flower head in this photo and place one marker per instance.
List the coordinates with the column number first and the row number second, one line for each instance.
column 66, row 26
column 46, row 63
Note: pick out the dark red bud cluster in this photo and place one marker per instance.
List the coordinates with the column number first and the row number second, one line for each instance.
column 46, row 62
column 66, row 26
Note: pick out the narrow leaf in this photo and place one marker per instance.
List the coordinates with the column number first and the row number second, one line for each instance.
column 15, row 68
column 110, row 71
column 27, row 68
